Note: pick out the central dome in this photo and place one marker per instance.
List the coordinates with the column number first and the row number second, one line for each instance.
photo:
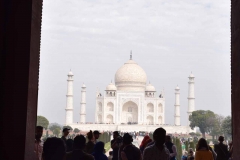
column 130, row 77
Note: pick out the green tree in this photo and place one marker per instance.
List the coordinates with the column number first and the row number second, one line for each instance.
column 76, row 130
column 52, row 127
column 227, row 127
column 69, row 127
column 56, row 131
column 179, row 148
column 192, row 134
column 186, row 145
column 42, row 121
column 192, row 145
column 198, row 134
column 216, row 130
column 203, row 119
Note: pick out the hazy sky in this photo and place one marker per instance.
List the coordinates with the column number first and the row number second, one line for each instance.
column 168, row 38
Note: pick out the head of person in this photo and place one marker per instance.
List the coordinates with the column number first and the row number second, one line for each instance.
column 96, row 134
column 168, row 138
column 69, row 144
column 65, row 132
column 145, row 138
column 202, row 144
column 38, row 132
column 115, row 134
column 185, row 153
column 159, row 136
column 99, row 147
column 79, row 142
column 190, row 151
column 147, row 142
column 111, row 153
column 90, row 135
column 54, row 148
column 127, row 139
column 220, row 139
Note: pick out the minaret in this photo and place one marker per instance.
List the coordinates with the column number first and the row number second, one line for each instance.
column 83, row 105
column 177, row 106
column 191, row 97
column 69, row 107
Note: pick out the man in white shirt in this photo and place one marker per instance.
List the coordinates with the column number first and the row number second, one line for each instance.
column 38, row 147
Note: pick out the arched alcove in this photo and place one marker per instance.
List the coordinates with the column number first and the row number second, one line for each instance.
column 110, row 106
column 99, row 107
column 160, row 108
column 150, row 107
column 109, row 119
column 149, row 119
column 99, row 118
column 160, row 120
column 129, row 112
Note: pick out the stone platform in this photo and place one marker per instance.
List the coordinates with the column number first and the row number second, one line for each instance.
column 131, row 128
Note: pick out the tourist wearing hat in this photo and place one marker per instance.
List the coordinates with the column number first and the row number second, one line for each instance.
column 96, row 135
column 65, row 134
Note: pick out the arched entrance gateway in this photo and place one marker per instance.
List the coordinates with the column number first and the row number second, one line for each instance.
column 129, row 113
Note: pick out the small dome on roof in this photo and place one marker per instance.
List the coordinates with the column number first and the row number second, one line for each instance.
column 177, row 87
column 191, row 75
column 150, row 88
column 83, row 85
column 70, row 73
column 111, row 87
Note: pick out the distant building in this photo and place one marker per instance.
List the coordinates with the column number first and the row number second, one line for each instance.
column 129, row 104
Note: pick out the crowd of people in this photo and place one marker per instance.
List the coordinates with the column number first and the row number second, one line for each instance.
column 158, row 148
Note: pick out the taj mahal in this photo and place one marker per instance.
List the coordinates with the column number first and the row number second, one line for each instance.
column 129, row 104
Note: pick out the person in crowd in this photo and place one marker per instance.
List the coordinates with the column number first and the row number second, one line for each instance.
column 98, row 151
column 213, row 152
column 38, row 147
column 90, row 144
column 184, row 156
column 65, row 134
column 115, row 144
column 144, row 143
column 203, row 152
column 110, row 155
column 221, row 149
column 190, row 154
column 96, row 135
column 54, row 149
column 230, row 150
column 69, row 145
column 78, row 153
column 128, row 151
column 158, row 150
column 171, row 147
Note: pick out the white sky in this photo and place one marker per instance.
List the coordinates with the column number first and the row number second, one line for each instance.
column 169, row 39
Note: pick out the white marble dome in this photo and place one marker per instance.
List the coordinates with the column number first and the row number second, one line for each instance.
column 130, row 77
column 111, row 87
column 150, row 88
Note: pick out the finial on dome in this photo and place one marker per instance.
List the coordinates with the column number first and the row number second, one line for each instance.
column 131, row 55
